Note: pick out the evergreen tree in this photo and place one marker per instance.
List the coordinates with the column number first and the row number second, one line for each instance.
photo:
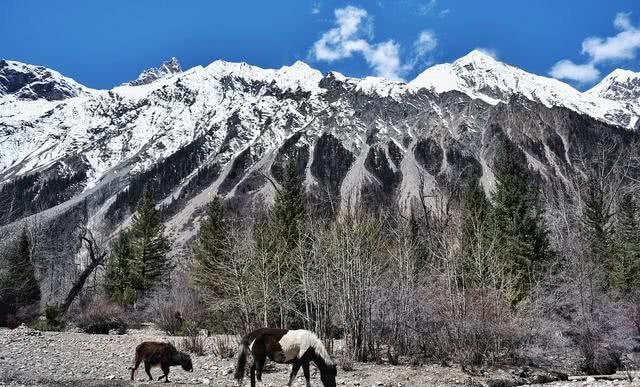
column 149, row 246
column 209, row 250
column 623, row 265
column 596, row 219
column 123, row 275
column 522, row 244
column 278, row 238
column 288, row 207
column 476, row 233
column 19, row 287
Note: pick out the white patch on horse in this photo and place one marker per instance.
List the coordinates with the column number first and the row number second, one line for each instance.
column 251, row 345
column 295, row 343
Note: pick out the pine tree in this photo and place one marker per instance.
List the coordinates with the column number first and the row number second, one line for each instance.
column 476, row 233
column 522, row 244
column 149, row 246
column 288, row 207
column 19, row 287
column 597, row 220
column 623, row 264
column 123, row 275
column 209, row 250
column 278, row 238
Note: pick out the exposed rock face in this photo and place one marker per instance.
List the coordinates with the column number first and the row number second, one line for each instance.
column 35, row 82
column 153, row 74
column 230, row 127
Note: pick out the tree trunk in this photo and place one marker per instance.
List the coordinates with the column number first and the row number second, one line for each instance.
column 95, row 260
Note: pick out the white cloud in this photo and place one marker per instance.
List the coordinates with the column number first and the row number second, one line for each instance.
column 425, row 43
column 315, row 9
column 426, row 8
column 488, row 51
column 342, row 40
column 566, row 69
column 352, row 34
column 444, row 12
column 622, row 46
column 384, row 58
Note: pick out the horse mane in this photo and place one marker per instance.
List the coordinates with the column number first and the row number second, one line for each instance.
column 320, row 350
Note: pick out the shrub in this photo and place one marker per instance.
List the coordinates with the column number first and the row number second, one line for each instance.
column 223, row 347
column 169, row 319
column 347, row 365
column 24, row 315
column 101, row 317
column 192, row 340
column 51, row 321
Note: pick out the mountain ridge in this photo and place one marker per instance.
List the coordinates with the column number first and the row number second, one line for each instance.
column 224, row 128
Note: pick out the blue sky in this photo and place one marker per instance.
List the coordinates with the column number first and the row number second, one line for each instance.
column 104, row 43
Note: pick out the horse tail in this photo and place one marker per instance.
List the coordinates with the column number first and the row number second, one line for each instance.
column 241, row 360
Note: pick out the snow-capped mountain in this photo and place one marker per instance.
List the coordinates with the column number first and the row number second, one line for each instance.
column 620, row 85
column 36, row 82
column 481, row 76
column 228, row 127
column 153, row 74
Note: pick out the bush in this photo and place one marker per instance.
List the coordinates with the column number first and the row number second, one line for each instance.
column 24, row 315
column 169, row 319
column 51, row 321
column 223, row 347
column 101, row 317
column 347, row 365
column 192, row 340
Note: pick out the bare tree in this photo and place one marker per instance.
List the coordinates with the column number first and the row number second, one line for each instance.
column 97, row 254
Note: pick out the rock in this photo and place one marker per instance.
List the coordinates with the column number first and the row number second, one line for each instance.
column 24, row 330
column 205, row 381
column 110, row 377
column 590, row 379
column 500, row 382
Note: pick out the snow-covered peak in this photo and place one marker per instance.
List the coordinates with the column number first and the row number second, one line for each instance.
column 478, row 58
column 382, row 87
column 169, row 67
column 298, row 75
column 30, row 82
column 481, row 76
column 620, row 85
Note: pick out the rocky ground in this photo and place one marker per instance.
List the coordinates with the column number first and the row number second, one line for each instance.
column 32, row 358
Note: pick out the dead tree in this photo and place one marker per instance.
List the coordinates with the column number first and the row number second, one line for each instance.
column 96, row 258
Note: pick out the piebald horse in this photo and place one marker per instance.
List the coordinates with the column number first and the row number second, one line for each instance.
column 297, row 347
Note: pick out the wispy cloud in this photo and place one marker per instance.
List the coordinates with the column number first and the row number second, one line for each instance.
column 422, row 48
column 352, row 34
column 444, row 12
column 622, row 46
column 315, row 9
column 488, row 51
column 426, row 7
column 566, row 69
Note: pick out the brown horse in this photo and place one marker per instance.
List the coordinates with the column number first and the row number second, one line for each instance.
column 163, row 355
column 297, row 347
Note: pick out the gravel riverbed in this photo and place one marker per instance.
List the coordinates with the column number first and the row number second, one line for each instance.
column 32, row 358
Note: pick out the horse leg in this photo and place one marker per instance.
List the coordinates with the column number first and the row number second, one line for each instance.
column 147, row 369
column 136, row 364
column 252, row 373
column 294, row 372
column 307, row 374
column 165, row 369
column 259, row 367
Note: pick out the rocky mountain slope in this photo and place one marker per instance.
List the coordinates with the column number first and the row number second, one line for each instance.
column 227, row 127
